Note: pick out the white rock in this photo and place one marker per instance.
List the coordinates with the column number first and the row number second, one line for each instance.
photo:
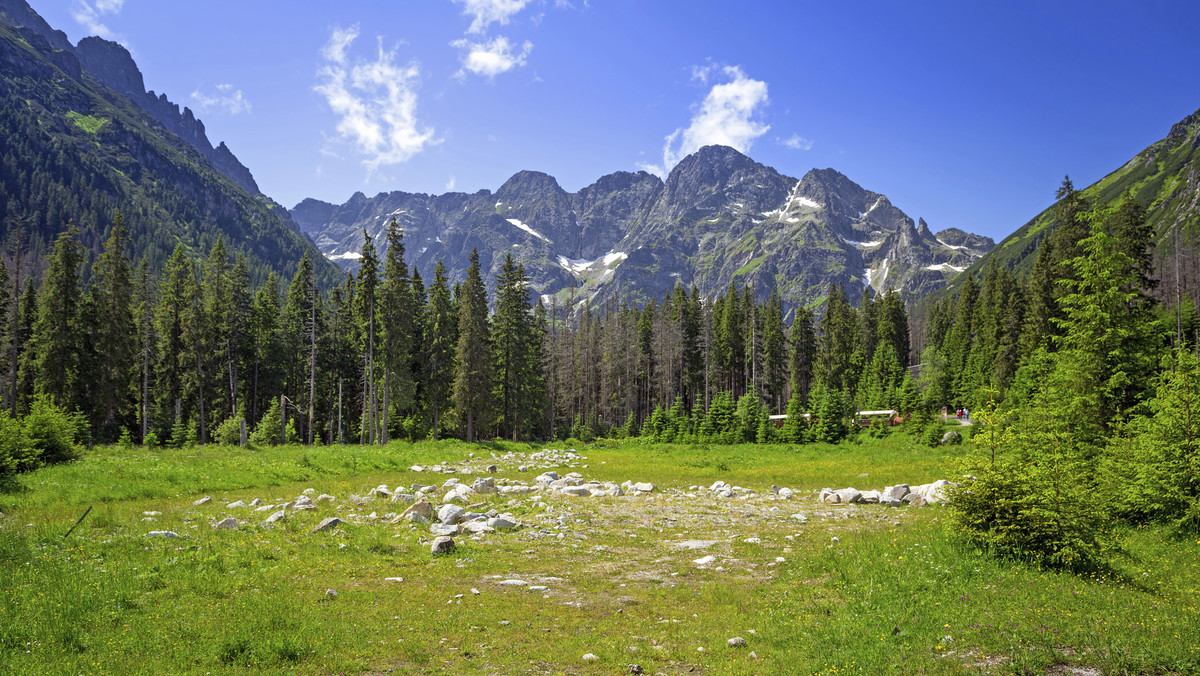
column 151, row 513
column 643, row 487
column 896, row 492
column 226, row 524
column 704, row 560
column 501, row 523
column 589, row 657
column 277, row 516
column 235, row 504
column 202, row 501
column 786, row 493
column 450, row 514
column 309, row 491
column 442, row 545
column 849, row 495
column 736, row 642
column 513, row 583
column 325, row 497
column 162, row 534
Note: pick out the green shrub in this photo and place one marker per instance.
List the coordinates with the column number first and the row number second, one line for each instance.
column 229, row 432
column 52, row 432
column 266, row 432
column 16, row 453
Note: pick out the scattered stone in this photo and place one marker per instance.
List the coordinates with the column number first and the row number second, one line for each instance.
column 416, row 468
column 329, row 593
column 643, row 487
column 785, row 493
column 162, row 534
column 442, row 545
column 896, row 492
column 151, row 513
column 450, row 514
column 501, row 523
column 235, row 504
column 513, row 583
column 393, row 579
column 834, row 539
column 736, row 642
column 303, row 500
column 917, row 501
column 849, row 495
column 589, row 657
column 697, row 544
column 325, row 497
column 704, row 560
column 949, row 437
column 305, row 508
column 327, row 524
column 636, row 669
column 753, row 541
column 277, row 516
column 309, row 491
column 492, row 469
column 229, row 523
column 444, row 529
column 255, row 502
column 420, row 508
column 202, row 501
column 538, row 587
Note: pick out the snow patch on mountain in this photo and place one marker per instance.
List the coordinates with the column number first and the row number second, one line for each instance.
column 528, row 229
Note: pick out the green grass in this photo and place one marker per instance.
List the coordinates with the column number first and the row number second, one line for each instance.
column 90, row 124
column 108, row 599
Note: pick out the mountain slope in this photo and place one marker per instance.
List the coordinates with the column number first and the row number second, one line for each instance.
column 720, row 217
column 1164, row 178
column 76, row 151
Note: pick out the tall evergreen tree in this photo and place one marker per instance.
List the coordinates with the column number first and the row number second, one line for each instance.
column 473, row 371
column 57, row 333
column 397, row 313
column 441, row 337
column 112, row 299
column 368, row 309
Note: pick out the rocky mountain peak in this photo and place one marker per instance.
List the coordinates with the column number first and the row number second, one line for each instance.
column 18, row 13
column 112, row 64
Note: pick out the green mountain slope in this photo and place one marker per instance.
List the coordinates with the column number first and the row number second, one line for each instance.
column 1164, row 177
column 75, row 151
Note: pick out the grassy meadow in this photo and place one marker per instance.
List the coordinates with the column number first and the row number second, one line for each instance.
column 615, row 577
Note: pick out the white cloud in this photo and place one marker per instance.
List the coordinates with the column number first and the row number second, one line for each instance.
column 491, row 58
column 376, row 101
column 726, row 116
column 450, row 184
column 89, row 15
column 796, row 142
column 486, row 12
column 226, row 100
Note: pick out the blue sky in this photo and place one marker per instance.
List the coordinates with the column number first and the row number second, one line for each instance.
column 965, row 113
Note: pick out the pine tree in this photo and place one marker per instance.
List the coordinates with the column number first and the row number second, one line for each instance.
column 57, row 333
column 803, row 352
column 170, row 317
column 397, row 309
column 513, row 345
column 473, row 373
column 367, row 308
column 441, row 337
column 774, row 354
column 112, row 299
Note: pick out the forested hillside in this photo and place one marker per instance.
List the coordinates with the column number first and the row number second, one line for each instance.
column 75, row 151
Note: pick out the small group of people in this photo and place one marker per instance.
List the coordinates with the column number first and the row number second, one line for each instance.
column 963, row 413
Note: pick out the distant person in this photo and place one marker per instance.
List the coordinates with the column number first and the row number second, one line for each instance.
column 959, row 413
column 967, row 413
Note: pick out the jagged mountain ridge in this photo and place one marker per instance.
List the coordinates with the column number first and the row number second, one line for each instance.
column 112, row 64
column 76, row 150
column 719, row 217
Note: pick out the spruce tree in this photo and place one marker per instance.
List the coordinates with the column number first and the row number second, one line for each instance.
column 473, row 372
column 112, row 300
column 57, row 334
column 441, row 337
